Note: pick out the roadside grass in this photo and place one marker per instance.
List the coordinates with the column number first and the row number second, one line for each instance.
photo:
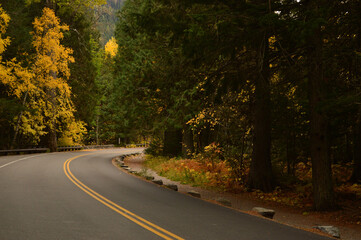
column 296, row 191
column 216, row 175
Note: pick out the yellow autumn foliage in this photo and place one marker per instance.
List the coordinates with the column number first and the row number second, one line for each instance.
column 4, row 42
column 73, row 134
column 16, row 78
column 52, row 58
column 50, row 100
column 20, row 81
column 43, row 88
column 4, row 21
column 111, row 48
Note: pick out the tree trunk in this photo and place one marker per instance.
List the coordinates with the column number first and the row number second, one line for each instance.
column 356, row 174
column 97, row 131
column 261, row 176
column 187, row 141
column 53, row 144
column 18, row 123
column 291, row 151
column 321, row 165
column 172, row 142
column 205, row 138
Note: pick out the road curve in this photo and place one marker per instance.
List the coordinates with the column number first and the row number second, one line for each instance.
column 81, row 195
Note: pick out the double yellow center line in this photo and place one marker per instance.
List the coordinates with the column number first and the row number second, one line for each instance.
column 115, row 207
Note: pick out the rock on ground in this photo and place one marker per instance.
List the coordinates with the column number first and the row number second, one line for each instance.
column 331, row 230
column 194, row 194
column 172, row 186
column 268, row 213
column 159, row 182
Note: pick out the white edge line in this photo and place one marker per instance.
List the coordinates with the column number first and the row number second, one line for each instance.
column 21, row 159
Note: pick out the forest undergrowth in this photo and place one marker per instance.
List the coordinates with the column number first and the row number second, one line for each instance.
column 209, row 171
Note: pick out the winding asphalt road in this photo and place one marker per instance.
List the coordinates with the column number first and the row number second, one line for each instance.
column 81, row 195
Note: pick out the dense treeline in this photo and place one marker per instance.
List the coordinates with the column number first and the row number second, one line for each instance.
column 262, row 85
column 276, row 82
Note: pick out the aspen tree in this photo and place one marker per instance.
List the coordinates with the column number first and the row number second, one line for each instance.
column 52, row 72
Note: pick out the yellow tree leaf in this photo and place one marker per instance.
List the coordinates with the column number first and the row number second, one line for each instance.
column 111, row 48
